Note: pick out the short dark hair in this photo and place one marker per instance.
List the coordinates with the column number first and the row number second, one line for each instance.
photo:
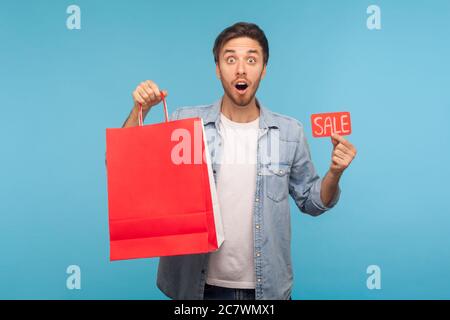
column 238, row 30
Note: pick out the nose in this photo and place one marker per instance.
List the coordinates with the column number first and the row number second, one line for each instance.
column 240, row 69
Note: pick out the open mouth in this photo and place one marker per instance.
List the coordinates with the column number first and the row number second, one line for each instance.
column 241, row 86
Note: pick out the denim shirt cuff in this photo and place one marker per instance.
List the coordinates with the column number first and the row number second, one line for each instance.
column 317, row 200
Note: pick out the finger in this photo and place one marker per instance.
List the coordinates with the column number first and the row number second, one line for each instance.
column 334, row 142
column 336, row 160
column 342, row 140
column 346, row 149
column 340, row 154
column 148, row 95
column 155, row 90
column 340, row 162
column 343, row 148
column 149, row 92
column 137, row 97
column 165, row 93
column 351, row 152
column 147, row 89
column 144, row 95
column 345, row 158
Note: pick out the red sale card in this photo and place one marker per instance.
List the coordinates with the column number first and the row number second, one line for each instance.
column 324, row 124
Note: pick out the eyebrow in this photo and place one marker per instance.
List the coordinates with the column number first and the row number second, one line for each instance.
column 234, row 51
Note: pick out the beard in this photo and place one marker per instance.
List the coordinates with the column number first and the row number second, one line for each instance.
column 241, row 100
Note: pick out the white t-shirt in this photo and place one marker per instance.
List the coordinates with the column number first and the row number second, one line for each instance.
column 232, row 266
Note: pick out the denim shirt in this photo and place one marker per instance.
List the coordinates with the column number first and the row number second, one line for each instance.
column 284, row 167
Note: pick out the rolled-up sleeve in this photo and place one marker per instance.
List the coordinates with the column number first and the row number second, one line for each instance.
column 304, row 182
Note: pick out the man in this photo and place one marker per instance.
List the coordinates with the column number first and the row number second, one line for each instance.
column 254, row 262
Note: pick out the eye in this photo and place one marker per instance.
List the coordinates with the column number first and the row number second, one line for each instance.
column 251, row 60
column 231, row 60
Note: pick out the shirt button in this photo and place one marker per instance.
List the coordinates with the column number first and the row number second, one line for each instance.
column 259, row 173
column 281, row 171
column 258, row 254
column 257, row 226
column 259, row 279
column 257, row 199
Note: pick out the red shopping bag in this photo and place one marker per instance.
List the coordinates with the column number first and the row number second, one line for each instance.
column 159, row 203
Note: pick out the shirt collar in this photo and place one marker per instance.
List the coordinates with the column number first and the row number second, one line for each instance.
column 267, row 119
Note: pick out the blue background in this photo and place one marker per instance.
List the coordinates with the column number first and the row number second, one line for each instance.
column 60, row 89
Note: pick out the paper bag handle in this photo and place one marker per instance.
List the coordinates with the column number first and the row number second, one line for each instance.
column 141, row 120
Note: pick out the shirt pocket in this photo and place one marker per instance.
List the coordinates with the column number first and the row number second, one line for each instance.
column 277, row 181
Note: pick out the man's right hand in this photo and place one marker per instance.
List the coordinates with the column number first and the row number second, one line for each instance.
column 148, row 94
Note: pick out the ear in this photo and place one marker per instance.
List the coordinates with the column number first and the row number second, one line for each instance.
column 217, row 71
column 263, row 73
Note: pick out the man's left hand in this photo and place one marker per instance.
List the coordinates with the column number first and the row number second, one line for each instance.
column 343, row 154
